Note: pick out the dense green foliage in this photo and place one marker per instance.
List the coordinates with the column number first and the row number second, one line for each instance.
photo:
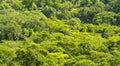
column 59, row 32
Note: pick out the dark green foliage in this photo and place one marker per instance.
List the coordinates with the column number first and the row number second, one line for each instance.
column 37, row 38
column 114, row 5
column 48, row 11
column 118, row 19
column 107, row 33
column 10, row 32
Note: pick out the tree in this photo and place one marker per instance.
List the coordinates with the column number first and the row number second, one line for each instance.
column 74, row 23
column 101, row 58
column 87, row 13
column 105, row 18
column 31, row 56
column 48, row 11
column 114, row 5
column 11, row 4
column 85, row 63
column 10, row 32
column 107, row 33
column 118, row 19
column 35, row 20
column 6, row 55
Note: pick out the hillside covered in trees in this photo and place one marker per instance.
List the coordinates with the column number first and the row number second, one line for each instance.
column 59, row 32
